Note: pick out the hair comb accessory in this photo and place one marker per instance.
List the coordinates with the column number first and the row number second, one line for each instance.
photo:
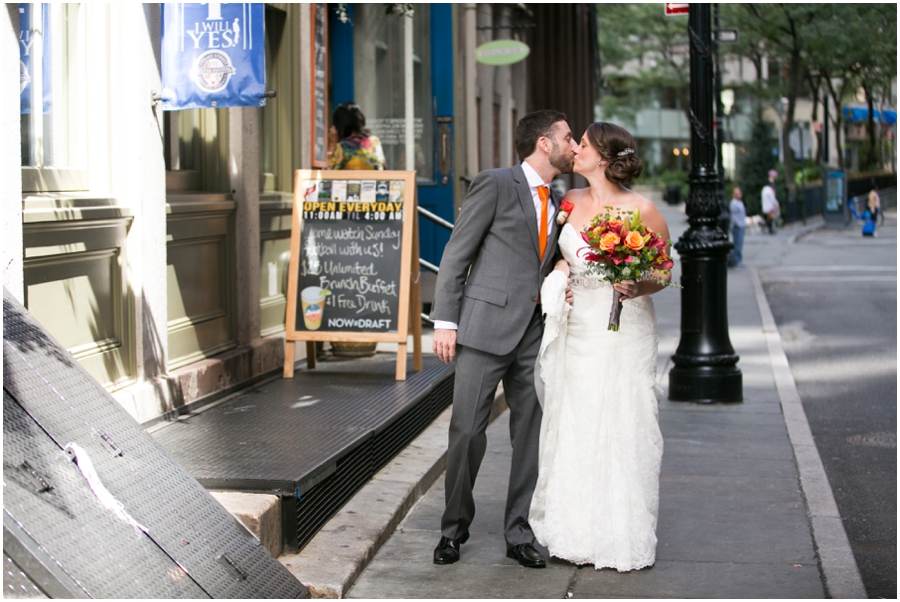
column 627, row 151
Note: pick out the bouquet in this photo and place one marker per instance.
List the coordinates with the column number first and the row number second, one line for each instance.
column 623, row 248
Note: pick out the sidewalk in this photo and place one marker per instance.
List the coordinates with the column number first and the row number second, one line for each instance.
column 745, row 507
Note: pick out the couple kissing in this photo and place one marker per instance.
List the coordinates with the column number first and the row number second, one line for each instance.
column 515, row 302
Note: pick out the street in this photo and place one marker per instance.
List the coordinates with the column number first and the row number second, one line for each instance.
column 731, row 522
column 834, row 297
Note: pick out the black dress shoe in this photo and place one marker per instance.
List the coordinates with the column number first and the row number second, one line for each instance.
column 527, row 556
column 447, row 550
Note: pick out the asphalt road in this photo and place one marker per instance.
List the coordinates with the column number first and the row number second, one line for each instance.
column 833, row 294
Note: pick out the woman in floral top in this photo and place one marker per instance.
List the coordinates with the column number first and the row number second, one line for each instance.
column 354, row 146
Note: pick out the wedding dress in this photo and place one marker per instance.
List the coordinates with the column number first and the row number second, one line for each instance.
column 597, row 495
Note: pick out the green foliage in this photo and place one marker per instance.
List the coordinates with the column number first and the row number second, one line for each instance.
column 675, row 178
column 755, row 164
column 629, row 33
column 809, row 172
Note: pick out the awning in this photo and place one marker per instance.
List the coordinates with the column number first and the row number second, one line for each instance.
column 859, row 114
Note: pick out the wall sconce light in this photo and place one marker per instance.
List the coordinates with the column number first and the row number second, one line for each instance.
column 685, row 152
column 676, row 152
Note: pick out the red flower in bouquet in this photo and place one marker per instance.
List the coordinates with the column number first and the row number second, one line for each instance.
column 623, row 248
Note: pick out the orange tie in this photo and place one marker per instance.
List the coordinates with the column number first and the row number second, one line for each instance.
column 544, row 193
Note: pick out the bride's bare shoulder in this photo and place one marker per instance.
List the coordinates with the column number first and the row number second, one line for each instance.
column 576, row 194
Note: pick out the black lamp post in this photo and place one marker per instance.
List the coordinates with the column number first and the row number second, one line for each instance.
column 705, row 363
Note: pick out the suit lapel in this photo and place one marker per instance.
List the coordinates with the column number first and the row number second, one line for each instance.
column 553, row 235
column 523, row 191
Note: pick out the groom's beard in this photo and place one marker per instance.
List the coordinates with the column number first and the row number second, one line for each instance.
column 564, row 163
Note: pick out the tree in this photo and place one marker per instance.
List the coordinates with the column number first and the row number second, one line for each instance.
column 642, row 52
column 854, row 47
column 756, row 162
column 784, row 29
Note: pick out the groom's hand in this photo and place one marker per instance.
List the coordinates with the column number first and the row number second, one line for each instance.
column 444, row 344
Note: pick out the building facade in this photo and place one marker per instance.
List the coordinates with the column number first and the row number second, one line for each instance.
column 155, row 244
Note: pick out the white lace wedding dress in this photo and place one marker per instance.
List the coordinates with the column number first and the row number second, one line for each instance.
column 597, row 495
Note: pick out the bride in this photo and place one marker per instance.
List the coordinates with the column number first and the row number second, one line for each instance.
column 597, row 495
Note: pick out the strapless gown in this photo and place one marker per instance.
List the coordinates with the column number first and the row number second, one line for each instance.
column 597, row 496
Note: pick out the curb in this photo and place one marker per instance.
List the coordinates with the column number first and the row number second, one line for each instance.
column 804, row 230
column 330, row 564
column 839, row 570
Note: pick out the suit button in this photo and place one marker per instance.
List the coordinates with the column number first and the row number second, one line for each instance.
column 534, row 299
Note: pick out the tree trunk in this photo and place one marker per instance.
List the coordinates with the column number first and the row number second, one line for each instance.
column 871, row 155
column 793, row 93
column 815, row 88
column 838, row 118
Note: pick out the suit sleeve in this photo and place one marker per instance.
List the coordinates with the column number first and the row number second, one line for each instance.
column 471, row 228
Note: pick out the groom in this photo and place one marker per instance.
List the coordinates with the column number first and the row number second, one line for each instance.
column 487, row 317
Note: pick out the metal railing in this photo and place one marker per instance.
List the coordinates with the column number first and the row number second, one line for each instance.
column 436, row 219
column 425, row 264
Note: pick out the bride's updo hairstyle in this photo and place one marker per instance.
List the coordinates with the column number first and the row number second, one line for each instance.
column 618, row 149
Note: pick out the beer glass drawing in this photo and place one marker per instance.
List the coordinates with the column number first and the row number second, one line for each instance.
column 312, row 302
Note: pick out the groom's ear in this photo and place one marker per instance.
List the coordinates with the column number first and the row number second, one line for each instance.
column 544, row 144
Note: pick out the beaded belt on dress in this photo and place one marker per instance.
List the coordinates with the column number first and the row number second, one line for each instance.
column 586, row 282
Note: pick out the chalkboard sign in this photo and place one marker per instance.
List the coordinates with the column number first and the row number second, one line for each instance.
column 354, row 261
column 319, row 90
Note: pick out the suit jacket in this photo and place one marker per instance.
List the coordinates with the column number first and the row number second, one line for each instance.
column 491, row 272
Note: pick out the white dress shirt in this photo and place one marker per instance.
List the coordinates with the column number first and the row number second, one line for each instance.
column 534, row 180
column 769, row 202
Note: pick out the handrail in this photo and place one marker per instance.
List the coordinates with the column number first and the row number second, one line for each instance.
column 432, row 217
column 437, row 219
column 443, row 223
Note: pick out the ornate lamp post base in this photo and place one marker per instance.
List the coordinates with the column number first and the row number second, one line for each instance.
column 706, row 384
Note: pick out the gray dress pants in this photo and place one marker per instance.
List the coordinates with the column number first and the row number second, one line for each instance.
column 477, row 376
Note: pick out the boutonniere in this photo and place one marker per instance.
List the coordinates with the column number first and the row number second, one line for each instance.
column 563, row 214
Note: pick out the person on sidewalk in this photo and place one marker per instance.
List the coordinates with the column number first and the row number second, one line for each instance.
column 488, row 319
column 738, row 226
column 873, row 208
column 770, row 206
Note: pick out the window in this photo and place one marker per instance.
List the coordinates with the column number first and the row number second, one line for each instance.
column 53, row 114
column 379, row 83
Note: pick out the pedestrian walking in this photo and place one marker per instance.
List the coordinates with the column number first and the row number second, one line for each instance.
column 488, row 319
column 770, row 206
column 873, row 207
column 738, row 226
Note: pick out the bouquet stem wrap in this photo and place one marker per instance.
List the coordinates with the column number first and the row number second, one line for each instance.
column 615, row 312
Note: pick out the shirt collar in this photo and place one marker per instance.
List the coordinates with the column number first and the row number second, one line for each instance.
column 534, row 180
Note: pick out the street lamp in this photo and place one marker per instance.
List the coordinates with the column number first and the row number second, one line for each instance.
column 705, row 363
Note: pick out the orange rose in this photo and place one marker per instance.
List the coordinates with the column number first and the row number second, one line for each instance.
column 615, row 224
column 609, row 241
column 634, row 241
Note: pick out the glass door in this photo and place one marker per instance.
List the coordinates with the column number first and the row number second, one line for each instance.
column 368, row 43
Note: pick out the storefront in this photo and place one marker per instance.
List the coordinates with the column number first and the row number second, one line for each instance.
column 154, row 243
column 368, row 61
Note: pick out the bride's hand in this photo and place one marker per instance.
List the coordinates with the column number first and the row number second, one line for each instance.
column 628, row 289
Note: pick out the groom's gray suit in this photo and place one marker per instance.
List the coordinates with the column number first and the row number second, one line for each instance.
column 489, row 280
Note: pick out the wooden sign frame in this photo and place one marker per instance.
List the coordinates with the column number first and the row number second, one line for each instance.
column 408, row 313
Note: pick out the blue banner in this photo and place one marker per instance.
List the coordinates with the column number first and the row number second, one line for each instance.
column 32, row 30
column 213, row 55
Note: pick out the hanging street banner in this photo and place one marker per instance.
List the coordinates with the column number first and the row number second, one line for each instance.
column 213, row 55
column 34, row 27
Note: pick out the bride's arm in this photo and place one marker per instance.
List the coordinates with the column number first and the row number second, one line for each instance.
column 563, row 266
column 631, row 289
